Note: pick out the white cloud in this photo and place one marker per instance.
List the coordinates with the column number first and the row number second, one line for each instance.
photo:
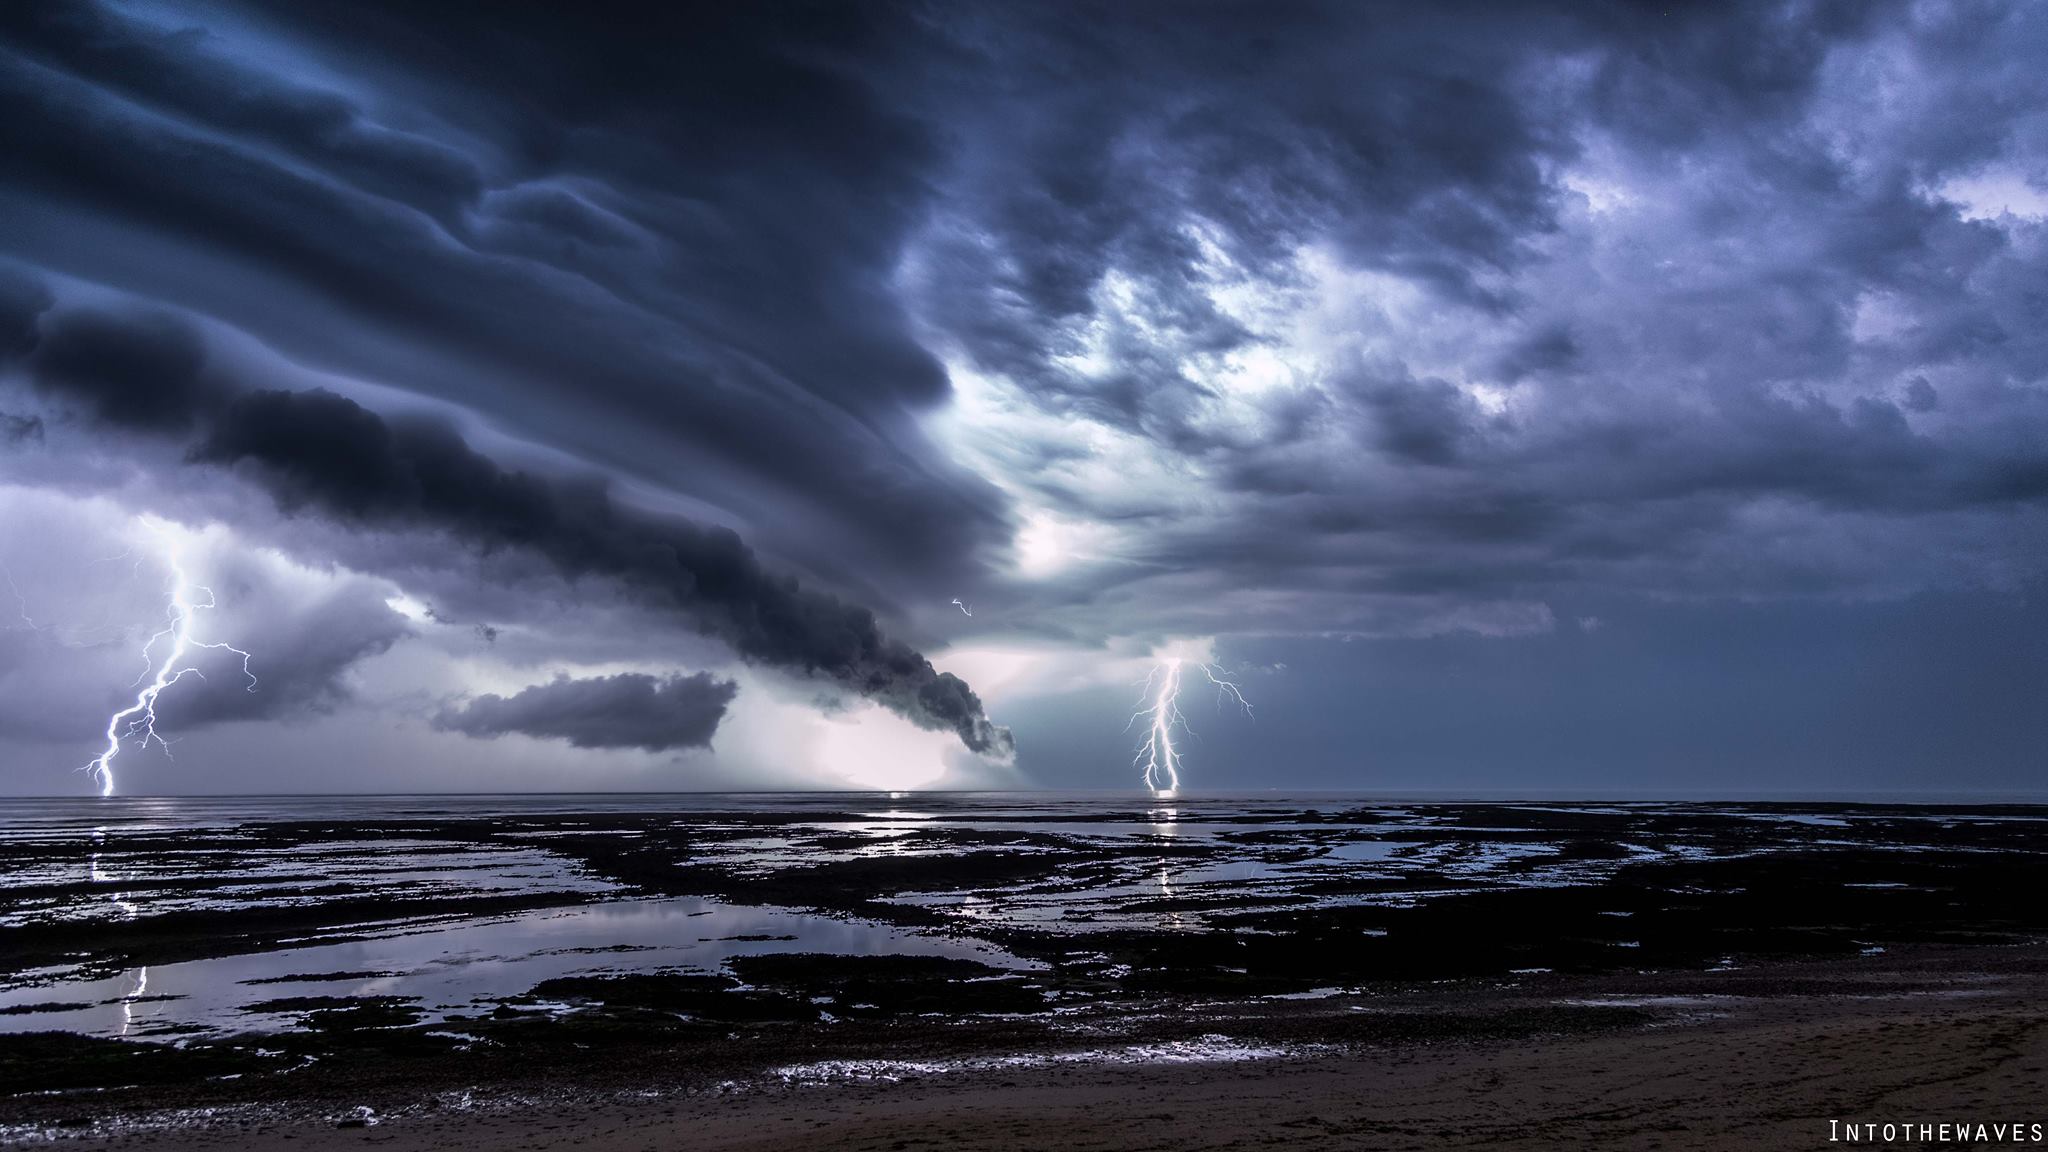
column 1996, row 193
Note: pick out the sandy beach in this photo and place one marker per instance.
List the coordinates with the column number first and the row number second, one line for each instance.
column 1003, row 973
column 1760, row 1059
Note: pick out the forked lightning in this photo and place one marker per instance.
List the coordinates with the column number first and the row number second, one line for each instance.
column 138, row 720
column 1156, row 757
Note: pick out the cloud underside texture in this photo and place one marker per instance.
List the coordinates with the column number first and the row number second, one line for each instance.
column 323, row 455
column 629, row 710
column 1332, row 317
column 1401, row 311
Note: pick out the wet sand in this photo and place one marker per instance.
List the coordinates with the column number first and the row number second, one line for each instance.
column 1970, row 1041
column 1015, row 972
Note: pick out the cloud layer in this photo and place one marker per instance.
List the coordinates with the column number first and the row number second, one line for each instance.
column 1378, row 320
column 322, row 454
column 1127, row 325
column 630, row 710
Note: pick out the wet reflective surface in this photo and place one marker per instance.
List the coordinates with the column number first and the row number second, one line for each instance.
column 452, row 970
column 144, row 918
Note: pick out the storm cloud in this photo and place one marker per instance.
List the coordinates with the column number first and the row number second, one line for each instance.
column 1127, row 325
column 318, row 451
column 630, row 710
column 322, row 454
column 710, row 282
column 1364, row 319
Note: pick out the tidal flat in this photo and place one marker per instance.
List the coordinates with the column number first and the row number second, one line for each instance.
column 172, row 968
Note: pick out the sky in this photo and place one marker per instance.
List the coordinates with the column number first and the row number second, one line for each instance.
column 1573, row 396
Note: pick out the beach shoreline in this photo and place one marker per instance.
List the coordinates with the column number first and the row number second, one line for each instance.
column 829, row 972
column 1757, row 1056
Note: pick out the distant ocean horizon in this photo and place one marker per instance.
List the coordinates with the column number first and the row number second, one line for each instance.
column 266, row 803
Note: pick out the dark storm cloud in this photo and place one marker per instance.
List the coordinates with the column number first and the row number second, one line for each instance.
column 1343, row 317
column 642, row 242
column 325, row 455
column 1420, row 141
column 1422, row 421
column 16, row 429
column 23, row 300
column 709, row 247
column 1091, row 136
column 136, row 371
column 630, row 710
column 160, row 67
column 321, row 452
column 1658, row 300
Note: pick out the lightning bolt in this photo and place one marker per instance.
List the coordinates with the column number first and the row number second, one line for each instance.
column 20, row 600
column 962, row 607
column 1159, row 708
column 138, row 720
